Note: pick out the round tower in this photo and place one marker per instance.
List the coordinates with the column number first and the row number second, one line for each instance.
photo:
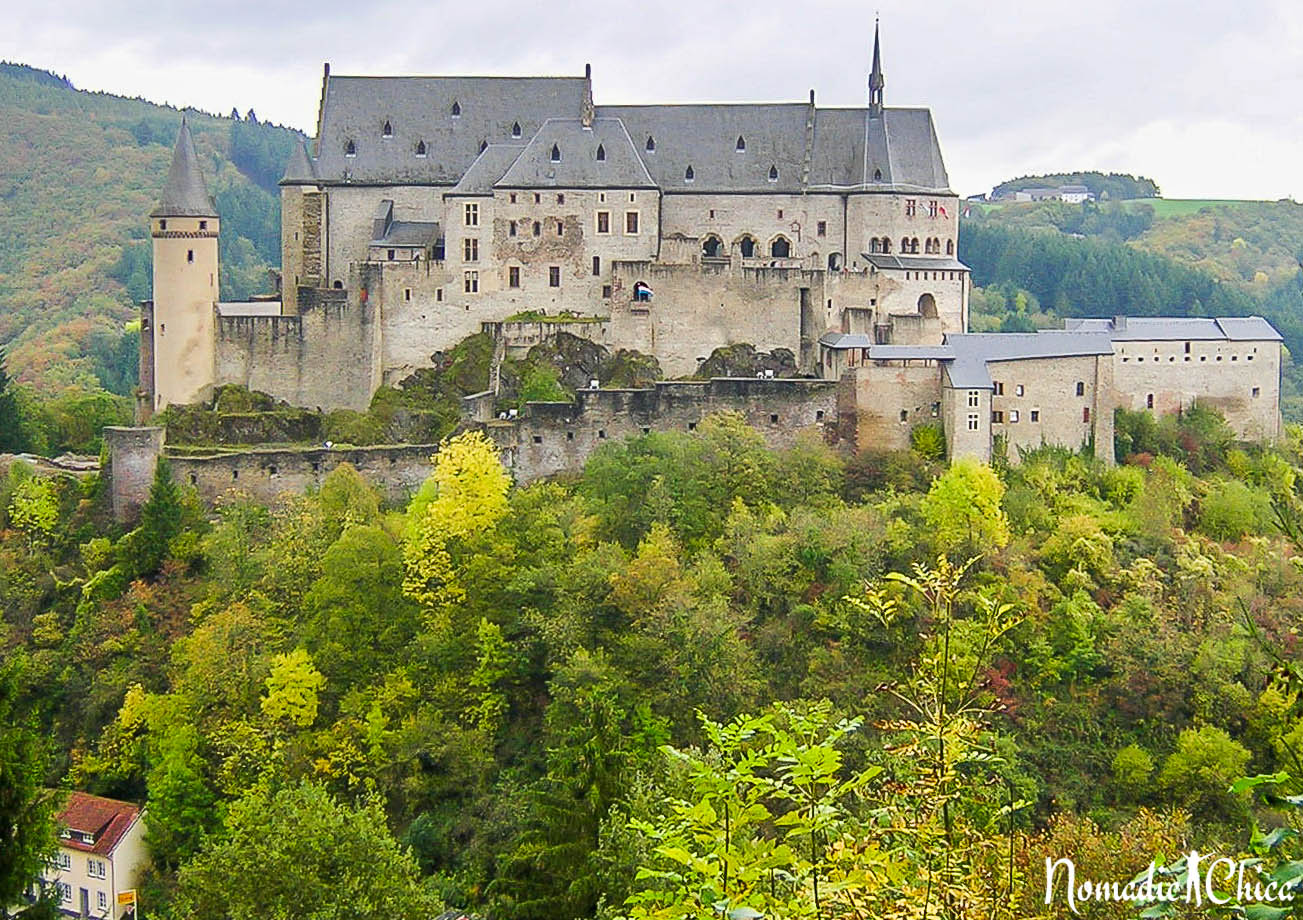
column 184, row 227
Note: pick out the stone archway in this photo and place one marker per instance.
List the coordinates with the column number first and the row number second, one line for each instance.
column 927, row 306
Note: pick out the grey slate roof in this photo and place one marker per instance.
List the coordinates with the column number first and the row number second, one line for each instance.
column 929, row 263
column 1177, row 328
column 185, row 194
column 578, row 166
column 410, row 234
column 299, row 171
column 420, row 109
column 487, row 169
column 974, row 351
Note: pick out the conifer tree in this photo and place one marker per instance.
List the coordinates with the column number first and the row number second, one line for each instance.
column 160, row 521
column 11, row 430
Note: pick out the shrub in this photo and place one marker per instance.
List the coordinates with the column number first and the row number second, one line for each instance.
column 928, row 441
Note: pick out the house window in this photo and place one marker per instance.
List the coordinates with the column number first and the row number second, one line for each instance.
column 190, row 256
column 407, row 293
column 606, row 291
column 538, row 228
column 554, row 276
column 1013, row 416
column 471, row 282
column 391, row 255
column 560, row 198
column 780, row 213
column 538, row 198
column 472, row 215
column 998, row 388
column 932, row 209
column 560, row 229
column 511, row 228
column 597, row 265
column 1018, row 390
column 821, row 228
column 601, row 197
column 103, row 899
column 974, row 399
column 203, row 225
column 513, row 276
column 65, row 861
column 470, row 248
column 1036, row 415
column 972, row 421
column 512, row 197
column 997, row 417
column 438, row 295
column 911, row 207
column 603, row 221
column 1081, row 388
column 162, row 225
column 631, row 223
column 1149, row 401
column 1085, row 414
column 632, row 197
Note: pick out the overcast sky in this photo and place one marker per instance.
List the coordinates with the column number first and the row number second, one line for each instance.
column 1203, row 97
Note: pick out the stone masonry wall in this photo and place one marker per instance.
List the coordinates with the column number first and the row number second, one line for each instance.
column 133, row 453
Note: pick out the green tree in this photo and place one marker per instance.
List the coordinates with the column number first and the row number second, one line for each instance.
column 146, row 547
column 299, row 854
column 26, row 808
column 962, row 509
column 181, row 802
column 12, row 439
column 1201, row 769
column 292, row 688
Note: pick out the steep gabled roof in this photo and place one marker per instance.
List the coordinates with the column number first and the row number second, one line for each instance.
column 104, row 820
column 300, row 170
column 421, row 109
column 577, row 165
column 185, row 194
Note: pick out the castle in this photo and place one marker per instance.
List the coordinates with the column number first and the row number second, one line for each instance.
column 434, row 207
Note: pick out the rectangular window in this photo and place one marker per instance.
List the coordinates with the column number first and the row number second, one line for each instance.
column 203, row 225
column 1013, row 416
column 407, row 293
column 513, row 197
column 997, row 417
column 972, row 421
column 606, row 291
column 538, row 199
column 470, row 248
column 1149, row 401
column 1081, row 388
column 471, row 282
column 603, row 221
column 1257, row 391
column 560, row 229
column 597, row 265
column 560, row 198
column 821, row 228
column 1085, row 414
column 601, row 197
column 472, row 215
column 190, row 255
column 554, row 276
column 103, row 900
column 1036, row 415
column 973, row 399
column 391, row 255
column 511, row 228
column 1018, row 390
column 999, row 387
column 438, row 295
column 911, row 207
column 712, row 213
column 931, row 209
column 631, row 223
column 513, row 276
column 780, row 213
column 632, row 197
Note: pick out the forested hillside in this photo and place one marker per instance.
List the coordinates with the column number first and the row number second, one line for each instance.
column 701, row 673
column 79, row 172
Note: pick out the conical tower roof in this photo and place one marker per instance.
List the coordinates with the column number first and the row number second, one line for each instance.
column 299, row 168
column 186, row 194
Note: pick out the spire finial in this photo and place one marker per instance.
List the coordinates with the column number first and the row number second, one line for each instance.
column 876, row 79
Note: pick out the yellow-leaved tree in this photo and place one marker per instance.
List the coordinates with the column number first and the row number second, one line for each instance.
column 465, row 495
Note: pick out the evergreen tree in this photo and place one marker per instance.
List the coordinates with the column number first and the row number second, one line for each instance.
column 160, row 521
column 11, row 429
column 26, row 810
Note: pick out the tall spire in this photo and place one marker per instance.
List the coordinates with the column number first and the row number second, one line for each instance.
column 876, row 80
column 185, row 194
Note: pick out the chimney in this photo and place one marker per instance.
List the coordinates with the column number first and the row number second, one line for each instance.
column 1119, row 324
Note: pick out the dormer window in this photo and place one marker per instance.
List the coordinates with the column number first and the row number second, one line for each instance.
column 877, row 175
column 773, row 173
column 741, row 144
column 556, row 154
column 420, row 148
column 484, row 145
column 688, row 174
column 651, row 144
column 456, row 109
column 350, row 149
column 515, row 129
column 601, row 153
column 387, row 130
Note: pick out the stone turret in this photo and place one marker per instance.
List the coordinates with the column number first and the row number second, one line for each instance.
column 184, row 227
column 300, row 228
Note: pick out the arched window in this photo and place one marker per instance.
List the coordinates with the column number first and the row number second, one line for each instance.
column 556, row 154
column 688, row 174
column 904, row 244
column 339, row 285
column 773, row 173
column 387, row 130
column 651, row 144
column 927, row 306
column 456, row 109
column 741, row 144
column 834, row 261
column 420, row 148
column 515, row 129
column 875, row 245
column 780, row 248
column 711, row 247
column 950, row 247
column 350, row 149
column 913, row 245
column 747, row 245
column 877, row 175
column 886, row 244
column 601, row 153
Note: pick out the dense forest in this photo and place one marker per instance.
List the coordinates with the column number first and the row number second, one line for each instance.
column 702, row 678
column 79, row 172
column 1104, row 186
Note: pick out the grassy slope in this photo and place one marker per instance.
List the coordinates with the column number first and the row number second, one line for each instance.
column 79, row 172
